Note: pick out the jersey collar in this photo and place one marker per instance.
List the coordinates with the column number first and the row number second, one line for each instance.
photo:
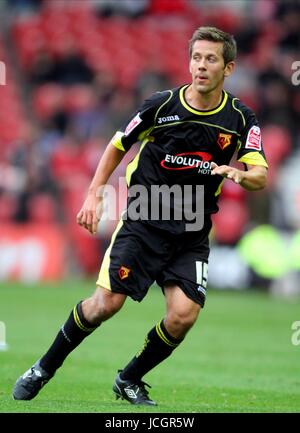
column 201, row 112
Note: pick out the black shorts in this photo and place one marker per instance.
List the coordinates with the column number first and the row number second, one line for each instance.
column 140, row 254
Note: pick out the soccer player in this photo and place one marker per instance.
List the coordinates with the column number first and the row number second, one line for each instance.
column 188, row 136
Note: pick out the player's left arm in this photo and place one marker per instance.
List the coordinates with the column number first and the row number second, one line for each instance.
column 250, row 153
column 254, row 179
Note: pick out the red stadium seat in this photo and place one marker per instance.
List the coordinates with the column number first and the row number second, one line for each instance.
column 277, row 143
column 79, row 97
column 8, row 207
column 42, row 209
column 47, row 99
column 232, row 191
column 230, row 222
column 168, row 6
column 68, row 164
column 11, row 130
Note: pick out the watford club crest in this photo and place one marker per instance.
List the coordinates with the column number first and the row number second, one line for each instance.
column 224, row 140
column 124, row 272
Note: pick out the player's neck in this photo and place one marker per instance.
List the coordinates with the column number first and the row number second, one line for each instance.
column 203, row 101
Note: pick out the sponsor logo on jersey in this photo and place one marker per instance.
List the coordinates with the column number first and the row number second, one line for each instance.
column 124, row 272
column 224, row 140
column 133, row 124
column 188, row 161
column 254, row 138
column 168, row 119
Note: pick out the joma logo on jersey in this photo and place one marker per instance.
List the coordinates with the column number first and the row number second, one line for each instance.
column 168, row 119
column 124, row 272
column 188, row 161
column 224, row 140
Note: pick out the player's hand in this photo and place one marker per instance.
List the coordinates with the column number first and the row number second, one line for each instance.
column 228, row 172
column 90, row 213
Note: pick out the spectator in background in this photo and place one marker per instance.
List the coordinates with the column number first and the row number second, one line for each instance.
column 42, row 68
column 67, row 68
column 128, row 8
column 116, row 114
column 151, row 79
column 105, row 85
column 288, row 13
column 70, row 68
column 276, row 107
column 24, row 5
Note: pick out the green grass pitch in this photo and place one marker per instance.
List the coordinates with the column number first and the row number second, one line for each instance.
column 239, row 356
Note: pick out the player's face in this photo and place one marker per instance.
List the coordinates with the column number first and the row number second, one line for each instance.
column 207, row 66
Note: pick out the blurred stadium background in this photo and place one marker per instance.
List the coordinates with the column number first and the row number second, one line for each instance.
column 71, row 72
column 75, row 71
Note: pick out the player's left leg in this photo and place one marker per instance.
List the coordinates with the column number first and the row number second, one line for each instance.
column 160, row 342
column 182, row 312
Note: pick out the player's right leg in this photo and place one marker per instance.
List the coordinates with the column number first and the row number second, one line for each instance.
column 86, row 316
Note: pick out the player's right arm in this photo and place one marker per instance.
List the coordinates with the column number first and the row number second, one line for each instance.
column 90, row 213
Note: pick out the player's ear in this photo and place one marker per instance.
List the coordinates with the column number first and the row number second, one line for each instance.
column 229, row 68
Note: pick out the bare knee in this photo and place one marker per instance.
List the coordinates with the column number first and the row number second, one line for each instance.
column 102, row 305
column 178, row 323
column 182, row 312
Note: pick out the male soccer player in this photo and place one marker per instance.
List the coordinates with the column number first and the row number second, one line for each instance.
column 188, row 136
